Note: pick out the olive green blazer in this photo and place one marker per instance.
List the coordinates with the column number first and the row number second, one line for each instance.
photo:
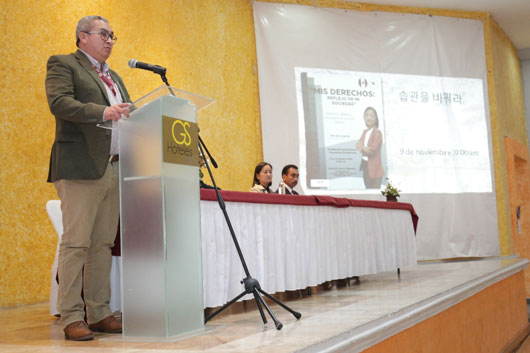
column 77, row 97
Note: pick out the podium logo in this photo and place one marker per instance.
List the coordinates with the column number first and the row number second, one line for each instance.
column 181, row 130
column 180, row 141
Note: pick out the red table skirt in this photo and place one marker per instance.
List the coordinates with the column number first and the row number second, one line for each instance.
column 299, row 200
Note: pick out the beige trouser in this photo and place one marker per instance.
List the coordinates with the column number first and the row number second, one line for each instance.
column 90, row 220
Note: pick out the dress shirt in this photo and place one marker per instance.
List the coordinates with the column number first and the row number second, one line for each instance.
column 114, row 98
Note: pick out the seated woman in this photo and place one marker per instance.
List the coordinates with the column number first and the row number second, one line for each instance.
column 262, row 178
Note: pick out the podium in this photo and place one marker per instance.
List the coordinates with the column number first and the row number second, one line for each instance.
column 161, row 280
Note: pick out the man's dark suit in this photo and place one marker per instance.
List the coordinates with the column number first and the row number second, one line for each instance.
column 77, row 97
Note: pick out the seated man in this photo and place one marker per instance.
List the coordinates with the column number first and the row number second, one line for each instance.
column 290, row 179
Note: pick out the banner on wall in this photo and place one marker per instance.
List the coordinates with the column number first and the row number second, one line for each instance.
column 425, row 79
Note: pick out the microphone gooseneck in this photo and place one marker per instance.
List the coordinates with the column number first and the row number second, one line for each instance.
column 134, row 64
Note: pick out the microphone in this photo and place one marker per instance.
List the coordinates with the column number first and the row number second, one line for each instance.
column 133, row 64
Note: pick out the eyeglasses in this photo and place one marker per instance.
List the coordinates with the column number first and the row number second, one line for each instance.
column 104, row 35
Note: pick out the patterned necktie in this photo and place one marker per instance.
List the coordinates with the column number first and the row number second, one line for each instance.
column 107, row 79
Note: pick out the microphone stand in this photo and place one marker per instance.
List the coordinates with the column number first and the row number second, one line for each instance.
column 251, row 285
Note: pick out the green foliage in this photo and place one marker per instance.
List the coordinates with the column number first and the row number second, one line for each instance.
column 390, row 190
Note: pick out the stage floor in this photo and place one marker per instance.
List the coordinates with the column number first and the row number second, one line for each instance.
column 356, row 316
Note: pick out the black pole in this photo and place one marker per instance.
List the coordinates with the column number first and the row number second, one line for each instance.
column 251, row 285
column 223, row 208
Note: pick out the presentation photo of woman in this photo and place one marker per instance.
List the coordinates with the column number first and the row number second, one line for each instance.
column 369, row 145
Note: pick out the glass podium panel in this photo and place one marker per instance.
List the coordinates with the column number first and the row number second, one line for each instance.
column 162, row 292
column 198, row 101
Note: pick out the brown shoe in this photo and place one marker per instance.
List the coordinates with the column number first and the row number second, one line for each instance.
column 78, row 331
column 109, row 324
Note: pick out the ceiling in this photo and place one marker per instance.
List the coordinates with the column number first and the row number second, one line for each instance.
column 512, row 15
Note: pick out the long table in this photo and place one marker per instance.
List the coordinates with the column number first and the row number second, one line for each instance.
column 292, row 242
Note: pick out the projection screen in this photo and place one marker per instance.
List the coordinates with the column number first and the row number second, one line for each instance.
column 423, row 77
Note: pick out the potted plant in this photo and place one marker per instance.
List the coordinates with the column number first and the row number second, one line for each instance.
column 391, row 192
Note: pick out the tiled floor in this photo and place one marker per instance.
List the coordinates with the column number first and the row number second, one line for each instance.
column 381, row 305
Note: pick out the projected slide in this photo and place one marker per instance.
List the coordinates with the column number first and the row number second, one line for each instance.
column 427, row 134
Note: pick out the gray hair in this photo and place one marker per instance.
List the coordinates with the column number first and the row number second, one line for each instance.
column 84, row 25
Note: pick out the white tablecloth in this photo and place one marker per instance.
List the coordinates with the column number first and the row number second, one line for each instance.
column 288, row 247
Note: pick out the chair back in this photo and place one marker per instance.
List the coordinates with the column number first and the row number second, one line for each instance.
column 53, row 207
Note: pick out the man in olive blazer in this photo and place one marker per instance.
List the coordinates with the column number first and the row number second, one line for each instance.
column 82, row 92
column 77, row 98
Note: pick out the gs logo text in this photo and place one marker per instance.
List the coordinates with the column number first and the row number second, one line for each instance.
column 182, row 135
